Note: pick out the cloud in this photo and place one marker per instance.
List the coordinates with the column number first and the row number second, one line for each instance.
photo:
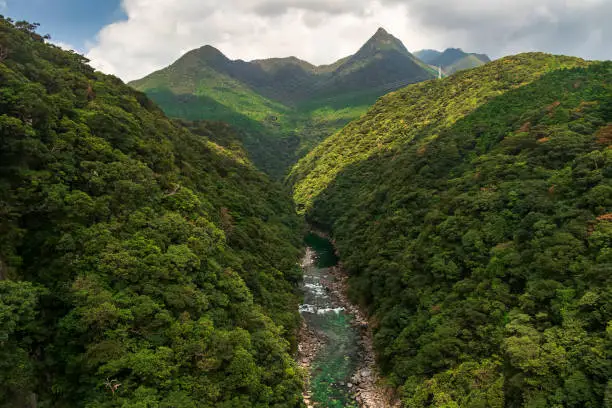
column 157, row 32
column 278, row 7
column 500, row 27
column 64, row 46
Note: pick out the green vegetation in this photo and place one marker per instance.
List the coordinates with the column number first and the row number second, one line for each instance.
column 422, row 109
column 283, row 106
column 141, row 264
column 474, row 216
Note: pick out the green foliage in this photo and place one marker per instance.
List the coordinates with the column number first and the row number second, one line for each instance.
column 473, row 215
column 19, row 332
column 467, row 62
column 400, row 116
column 141, row 264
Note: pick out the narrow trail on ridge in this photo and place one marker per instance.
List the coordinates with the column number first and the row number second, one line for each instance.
column 335, row 342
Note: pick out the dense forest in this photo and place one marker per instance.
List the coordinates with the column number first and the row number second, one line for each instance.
column 141, row 263
column 146, row 262
column 474, row 215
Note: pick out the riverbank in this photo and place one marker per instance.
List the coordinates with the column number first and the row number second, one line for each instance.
column 357, row 377
column 369, row 389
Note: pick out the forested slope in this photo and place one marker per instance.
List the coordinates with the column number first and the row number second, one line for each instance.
column 141, row 265
column 474, row 216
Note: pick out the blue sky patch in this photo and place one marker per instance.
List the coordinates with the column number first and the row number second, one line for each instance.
column 73, row 22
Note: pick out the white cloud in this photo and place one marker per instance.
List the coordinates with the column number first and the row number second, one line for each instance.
column 499, row 27
column 157, row 32
column 63, row 45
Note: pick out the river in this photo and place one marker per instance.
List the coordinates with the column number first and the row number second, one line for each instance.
column 337, row 353
column 335, row 345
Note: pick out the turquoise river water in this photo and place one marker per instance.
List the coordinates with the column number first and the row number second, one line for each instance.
column 337, row 361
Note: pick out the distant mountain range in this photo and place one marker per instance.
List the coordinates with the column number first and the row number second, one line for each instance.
column 285, row 106
column 382, row 63
column 452, row 60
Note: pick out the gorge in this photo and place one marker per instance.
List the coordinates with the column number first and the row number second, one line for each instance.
column 152, row 250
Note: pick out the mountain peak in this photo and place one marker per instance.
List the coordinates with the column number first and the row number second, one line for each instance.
column 381, row 41
column 206, row 55
column 381, row 31
column 383, row 59
column 209, row 52
column 382, row 36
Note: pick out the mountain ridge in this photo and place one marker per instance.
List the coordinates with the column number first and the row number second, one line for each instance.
column 381, row 40
column 259, row 73
column 452, row 60
column 284, row 105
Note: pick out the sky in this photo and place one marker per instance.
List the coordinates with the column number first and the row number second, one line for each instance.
column 132, row 38
column 71, row 23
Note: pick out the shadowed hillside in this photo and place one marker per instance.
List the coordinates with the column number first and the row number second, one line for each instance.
column 473, row 216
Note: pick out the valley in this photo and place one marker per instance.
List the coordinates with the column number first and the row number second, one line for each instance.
column 141, row 264
column 271, row 233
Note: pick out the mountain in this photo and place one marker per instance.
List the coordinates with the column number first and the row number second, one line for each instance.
column 467, row 62
column 141, row 263
column 427, row 55
column 382, row 62
column 449, row 57
column 452, row 60
column 473, row 216
column 292, row 81
column 283, row 106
